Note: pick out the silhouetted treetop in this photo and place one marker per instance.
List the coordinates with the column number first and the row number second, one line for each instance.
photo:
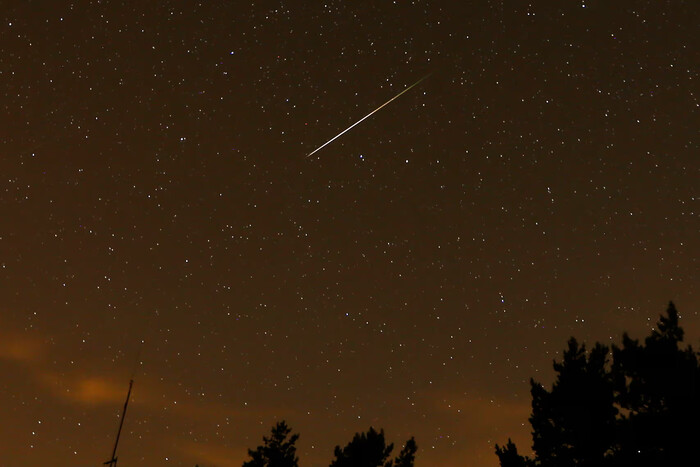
column 658, row 388
column 370, row 450
column 277, row 451
column 365, row 450
column 576, row 419
column 641, row 410
column 407, row 456
column 509, row 457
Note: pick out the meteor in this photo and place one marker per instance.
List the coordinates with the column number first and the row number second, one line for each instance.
column 365, row 117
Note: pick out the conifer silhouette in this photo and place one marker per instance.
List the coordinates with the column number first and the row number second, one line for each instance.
column 642, row 410
column 276, row 451
column 657, row 389
column 370, row 450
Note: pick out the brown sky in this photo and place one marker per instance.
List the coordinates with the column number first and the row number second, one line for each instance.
column 159, row 217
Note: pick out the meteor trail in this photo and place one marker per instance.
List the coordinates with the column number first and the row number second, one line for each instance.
column 364, row 118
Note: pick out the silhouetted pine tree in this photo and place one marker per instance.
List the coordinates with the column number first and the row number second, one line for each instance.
column 509, row 457
column 658, row 391
column 277, row 450
column 407, row 456
column 574, row 423
column 370, row 450
column 642, row 411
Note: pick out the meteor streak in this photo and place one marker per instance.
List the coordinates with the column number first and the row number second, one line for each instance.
column 365, row 117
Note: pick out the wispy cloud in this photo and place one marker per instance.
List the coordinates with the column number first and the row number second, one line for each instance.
column 478, row 423
column 486, row 412
column 97, row 390
column 21, row 348
column 214, row 455
column 82, row 389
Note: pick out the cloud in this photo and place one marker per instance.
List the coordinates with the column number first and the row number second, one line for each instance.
column 487, row 414
column 83, row 389
column 21, row 348
column 478, row 423
column 30, row 351
column 214, row 455
column 96, row 390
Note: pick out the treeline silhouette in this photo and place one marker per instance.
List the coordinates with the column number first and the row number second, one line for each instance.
column 641, row 408
column 365, row 450
column 637, row 405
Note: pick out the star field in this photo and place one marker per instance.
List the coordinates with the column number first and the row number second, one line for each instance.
column 160, row 218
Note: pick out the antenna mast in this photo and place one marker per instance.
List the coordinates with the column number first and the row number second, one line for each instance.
column 113, row 461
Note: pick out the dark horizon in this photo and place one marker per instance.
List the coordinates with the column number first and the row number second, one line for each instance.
column 158, row 207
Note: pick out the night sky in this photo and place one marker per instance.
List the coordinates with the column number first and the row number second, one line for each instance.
column 160, row 218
